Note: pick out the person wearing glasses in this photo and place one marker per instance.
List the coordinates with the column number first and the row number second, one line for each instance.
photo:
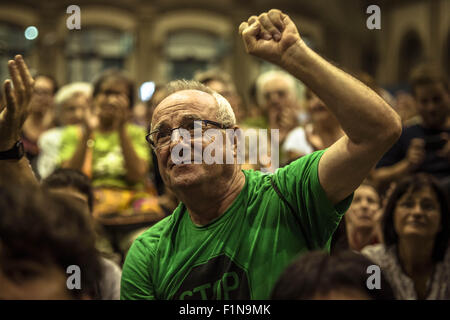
column 114, row 154
column 235, row 231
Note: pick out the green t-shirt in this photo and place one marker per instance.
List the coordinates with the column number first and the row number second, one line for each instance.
column 241, row 254
column 108, row 163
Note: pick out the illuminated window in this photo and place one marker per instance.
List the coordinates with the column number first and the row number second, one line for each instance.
column 95, row 49
column 189, row 51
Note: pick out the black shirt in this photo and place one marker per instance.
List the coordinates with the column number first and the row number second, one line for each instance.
column 433, row 164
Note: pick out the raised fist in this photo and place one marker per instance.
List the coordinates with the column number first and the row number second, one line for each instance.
column 271, row 36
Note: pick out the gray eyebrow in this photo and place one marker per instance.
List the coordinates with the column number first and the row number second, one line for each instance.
column 156, row 127
column 184, row 118
column 191, row 117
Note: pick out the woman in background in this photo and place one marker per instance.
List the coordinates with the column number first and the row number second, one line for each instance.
column 415, row 256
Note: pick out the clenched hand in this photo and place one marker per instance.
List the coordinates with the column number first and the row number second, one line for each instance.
column 271, row 36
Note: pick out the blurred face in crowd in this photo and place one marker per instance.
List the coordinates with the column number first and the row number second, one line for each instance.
column 317, row 110
column 363, row 211
column 405, row 106
column 433, row 104
column 278, row 94
column 30, row 280
column 74, row 109
column 111, row 98
column 42, row 99
column 173, row 112
column 228, row 93
column 417, row 214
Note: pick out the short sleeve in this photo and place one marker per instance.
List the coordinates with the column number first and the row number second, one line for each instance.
column 299, row 183
column 136, row 283
column 396, row 153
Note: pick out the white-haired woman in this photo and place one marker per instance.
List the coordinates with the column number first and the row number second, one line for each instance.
column 72, row 103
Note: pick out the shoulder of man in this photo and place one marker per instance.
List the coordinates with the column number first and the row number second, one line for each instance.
column 152, row 236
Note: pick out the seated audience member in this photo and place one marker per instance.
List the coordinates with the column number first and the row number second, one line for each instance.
column 72, row 105
column 41, row 116
column 222, row 83
column 361, row 224
column 236, row 230
column 422, row 147
column 255, row 115
column 77, row 185
column 276, row 94
column 319, row 276
column 415, row 256
column 40, row 229
column 114, row 154
column 41, row 235
column 321, row 132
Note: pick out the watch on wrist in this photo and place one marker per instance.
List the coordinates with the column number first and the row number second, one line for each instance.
column 15, row 153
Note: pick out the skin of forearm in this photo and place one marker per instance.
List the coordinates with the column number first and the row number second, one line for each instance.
column 364, row 116
column 77, row 160
column 391, row 173
column 135, row 166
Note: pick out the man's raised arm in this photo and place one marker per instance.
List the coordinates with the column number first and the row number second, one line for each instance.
column 13, row 112
column 370, row 124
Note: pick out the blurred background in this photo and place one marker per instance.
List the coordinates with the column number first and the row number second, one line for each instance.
column 160, row 40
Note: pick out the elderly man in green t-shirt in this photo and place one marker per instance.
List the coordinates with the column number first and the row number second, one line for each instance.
column 234, row 231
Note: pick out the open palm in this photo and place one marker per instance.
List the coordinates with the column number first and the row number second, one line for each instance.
column 15, row 107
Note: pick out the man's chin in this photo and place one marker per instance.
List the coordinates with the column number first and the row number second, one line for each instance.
column 184, row 175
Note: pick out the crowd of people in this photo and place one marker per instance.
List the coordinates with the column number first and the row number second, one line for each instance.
column 364, row 180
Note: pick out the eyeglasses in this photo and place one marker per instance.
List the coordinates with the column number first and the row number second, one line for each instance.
column 160, row 138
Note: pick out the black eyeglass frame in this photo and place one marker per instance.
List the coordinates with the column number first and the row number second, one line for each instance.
column 206, row 122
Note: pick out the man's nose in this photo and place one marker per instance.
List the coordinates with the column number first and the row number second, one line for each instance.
column 177, row 138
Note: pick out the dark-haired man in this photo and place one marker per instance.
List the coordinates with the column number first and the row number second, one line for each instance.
column 423, row 147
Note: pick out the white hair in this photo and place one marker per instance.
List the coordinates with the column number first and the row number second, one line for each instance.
column 70, row 90
column 225, row 114
column 269, row 75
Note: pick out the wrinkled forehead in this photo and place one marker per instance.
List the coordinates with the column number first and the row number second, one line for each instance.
column 184, row 103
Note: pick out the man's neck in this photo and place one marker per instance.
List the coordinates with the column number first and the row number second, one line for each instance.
column 206, row 203
column 358, row 238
